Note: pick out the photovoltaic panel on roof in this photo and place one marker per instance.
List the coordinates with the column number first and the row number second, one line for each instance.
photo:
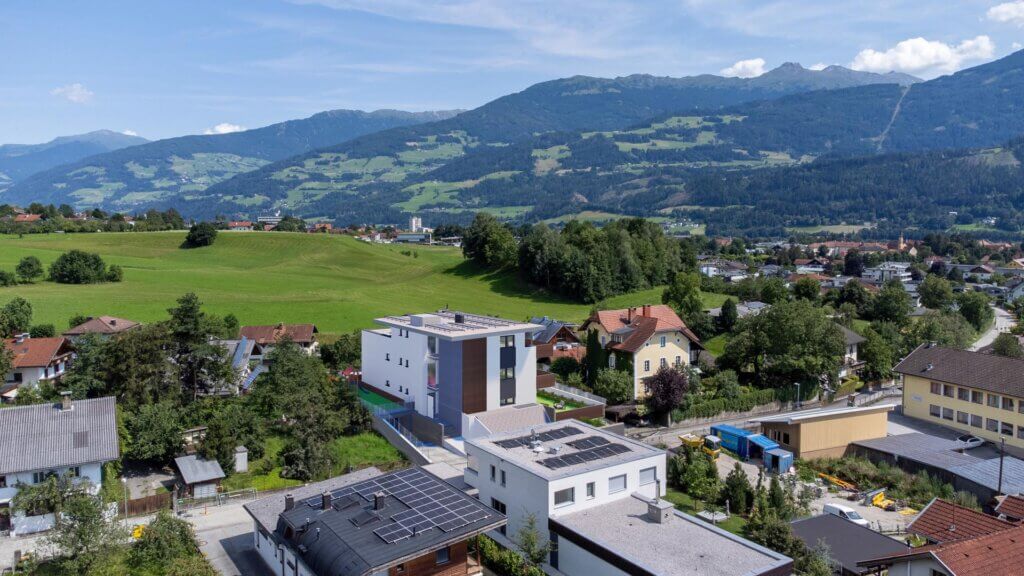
column 582, row 456
column 546, row 436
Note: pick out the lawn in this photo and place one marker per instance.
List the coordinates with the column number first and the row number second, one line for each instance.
column 264, row 278
column 717, row 344
column 269, row 481
column 685, row 503
column 548, row 399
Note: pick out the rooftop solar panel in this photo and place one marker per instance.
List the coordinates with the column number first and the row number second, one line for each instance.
column 547, row 436
column 590, row 455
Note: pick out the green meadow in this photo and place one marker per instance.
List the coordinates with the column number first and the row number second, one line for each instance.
column 335, row 282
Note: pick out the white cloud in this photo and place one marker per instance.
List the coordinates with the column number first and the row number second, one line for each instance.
column 745, row 68
column 76, row 93
column 1008, row 12
column 129, row 133
column 818, row 67
column 224, row 128
column 1017, row 46
column 918, row 55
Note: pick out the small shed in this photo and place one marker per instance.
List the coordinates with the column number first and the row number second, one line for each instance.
column 200, row 476
column 778, row 460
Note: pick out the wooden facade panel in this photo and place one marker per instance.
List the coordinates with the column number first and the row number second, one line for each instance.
column 474, row 375
column 426, row 565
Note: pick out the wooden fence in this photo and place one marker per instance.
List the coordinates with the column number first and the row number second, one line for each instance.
column 147, row 504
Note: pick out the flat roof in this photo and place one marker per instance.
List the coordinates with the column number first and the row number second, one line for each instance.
column 824, row 413
column 567, row 448
column 683, row 546
column 453, row 325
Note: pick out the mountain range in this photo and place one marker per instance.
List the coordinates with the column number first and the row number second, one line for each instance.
column 18, row 161
column 178, row 171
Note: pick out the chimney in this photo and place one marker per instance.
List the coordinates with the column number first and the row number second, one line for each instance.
column 65, row 401
column 19, row 338
column 647, row 310
column 659, row 511
column 378, row 501
column 629, row 315
column 289, row 502
column 326, row 500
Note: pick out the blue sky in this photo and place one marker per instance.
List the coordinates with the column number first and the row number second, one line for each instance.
column 164, row 69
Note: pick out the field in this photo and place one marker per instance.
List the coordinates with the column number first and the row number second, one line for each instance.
column 336, row 282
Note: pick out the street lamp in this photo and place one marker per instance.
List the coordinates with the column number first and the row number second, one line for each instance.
column 124, row 483
column 798, row 394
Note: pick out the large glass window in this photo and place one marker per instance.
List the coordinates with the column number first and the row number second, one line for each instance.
column 432, row 344
column 507, row 373
column 508, row 341
column 565, row 497
column 616, row 484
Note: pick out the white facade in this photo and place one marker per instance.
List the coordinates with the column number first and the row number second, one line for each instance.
column 33, row 375
column 91, row 473
column 889, row 271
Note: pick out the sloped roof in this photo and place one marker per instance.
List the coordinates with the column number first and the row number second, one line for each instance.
column 943, row 521
column 1012, row 506
column 194, row 469
column 36, row 352
column 298, row 333
column 850, row 336
column 43, row 437
column 848, row 542
column 551, row 328
column 998, row 554
column 102, row 325
column 641, row 323
column 973, row 369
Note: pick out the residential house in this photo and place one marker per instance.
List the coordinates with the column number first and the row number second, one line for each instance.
column 449, row 365
column 556, row 340
column 997, row 554
column 596, row 496
column 643, row 339
column 848, row 543
column 408, row 523
column 1011, row 507
column 35, row 360
column 241, row 352
column 1014, row 289
column 421, row 237
column 812, row 265
column 826, row 432
column 970, row 391
column 28, row 218
column 888, row 271
column 942, row 521
column 728, row 269
column 266, row 337
column 743, row 309
column 851, row 364
column 240, row 226
column 41, row 440
column 201, row 477
column 104, row 326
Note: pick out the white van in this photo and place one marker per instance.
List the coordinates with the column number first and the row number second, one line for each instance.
column 846, row 513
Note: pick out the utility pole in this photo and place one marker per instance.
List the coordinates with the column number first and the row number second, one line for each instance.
column 1002, row 453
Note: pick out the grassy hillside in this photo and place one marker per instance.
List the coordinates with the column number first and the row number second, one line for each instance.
column 336, row 282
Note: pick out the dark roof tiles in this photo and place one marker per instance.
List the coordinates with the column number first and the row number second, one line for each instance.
column 972, row 369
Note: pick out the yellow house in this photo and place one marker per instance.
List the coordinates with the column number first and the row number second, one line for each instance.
column 982, row 394
column 646, row 338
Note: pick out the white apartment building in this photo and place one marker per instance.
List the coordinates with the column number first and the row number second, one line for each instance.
column 451, row 365
column 888, row 271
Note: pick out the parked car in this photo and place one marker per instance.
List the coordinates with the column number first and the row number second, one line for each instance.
column 846, row 513
column 968, row 441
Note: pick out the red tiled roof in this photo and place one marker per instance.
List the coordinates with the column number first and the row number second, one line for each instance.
column 943, row 521
column 102, row 325
column 998, row 554
column 645, row 321
column 28, row 217
column 298, row 333
column 36, row 352
column 1012, row 507
column 240, row 224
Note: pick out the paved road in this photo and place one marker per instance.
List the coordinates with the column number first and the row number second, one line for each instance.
column 1003, row 322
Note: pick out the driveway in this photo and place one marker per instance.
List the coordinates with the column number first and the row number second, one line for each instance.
column 1003, row 322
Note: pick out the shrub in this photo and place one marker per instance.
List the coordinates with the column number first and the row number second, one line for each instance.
column 29, row 268
column 741, row 403
column 78, row 267
column 201, row 234
column 43, row 331
column 564, row 366
column 115, row 273
column 7, row 279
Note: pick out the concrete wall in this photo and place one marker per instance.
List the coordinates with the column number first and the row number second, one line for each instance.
column 918, row 398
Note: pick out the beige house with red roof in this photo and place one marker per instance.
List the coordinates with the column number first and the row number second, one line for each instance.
column 643, row 339
column 265, row 337
column 35, row 360
column 104, row 326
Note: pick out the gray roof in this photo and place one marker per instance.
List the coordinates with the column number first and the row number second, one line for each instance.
column 195, row 470
column 979, row 466
column 850, row 336
column 43, row 437
column 348, row 538
column 683, row 546
column 972, row 369
column 551, row 327
column 238, row 350
column 848, row 542
column 266, row 510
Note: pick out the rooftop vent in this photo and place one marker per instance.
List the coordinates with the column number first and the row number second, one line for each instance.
column 929, row 367
column 19, row 338
column 289, row 502
column 326, row 501
column 659, row 511
column 460, row 318
column 378, row 501
column 65, row 401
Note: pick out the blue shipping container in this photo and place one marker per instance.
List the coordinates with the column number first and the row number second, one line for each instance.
column 733, row 439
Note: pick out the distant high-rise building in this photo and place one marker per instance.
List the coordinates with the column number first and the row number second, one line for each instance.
column 415, row 224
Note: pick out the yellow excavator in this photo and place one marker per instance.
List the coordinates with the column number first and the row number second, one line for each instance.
column 710, row 445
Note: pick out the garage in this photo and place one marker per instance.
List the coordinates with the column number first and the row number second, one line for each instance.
column 201, row 477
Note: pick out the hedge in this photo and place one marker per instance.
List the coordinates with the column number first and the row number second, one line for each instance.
column 502, row 560
column 741, row 403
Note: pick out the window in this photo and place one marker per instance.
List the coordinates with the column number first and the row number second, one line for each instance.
column 1006, row 429
column 443, row 556
column 387, row 357
column 565, row 497
column 934, row 410
column 976, row 396
column 592, row 488
column 648, row 476
column 936, row 388
column 3, row 482
column 948, row 390
column 399, row 360
column 508, row 341
column 993, row 401
column 494, row 473
column 502, row 477
column 662, row 341
column 963, row 394
column 975, row 420
column 616, row 484
column 406, row 363
column 647, row 365
column 785, row 438
column 507, row 373
column 500, row 507
column 664, row 363
column 961, row 417
column 991, row 425
column 947, row 413
column 1007, row 403
column 1020, row 434
column 679, row 361
column 74, row 472
column 432, row 344
column 387, row 383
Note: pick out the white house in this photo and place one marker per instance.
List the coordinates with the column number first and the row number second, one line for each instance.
column 35, row 360
column 851, row 362
column 888, row 271
column 42, row 440
column 449, row 365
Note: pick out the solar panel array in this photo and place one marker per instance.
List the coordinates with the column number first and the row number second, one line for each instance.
column 590, row 455
column 548, row 436
column 431, row 504
column 588, row 442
